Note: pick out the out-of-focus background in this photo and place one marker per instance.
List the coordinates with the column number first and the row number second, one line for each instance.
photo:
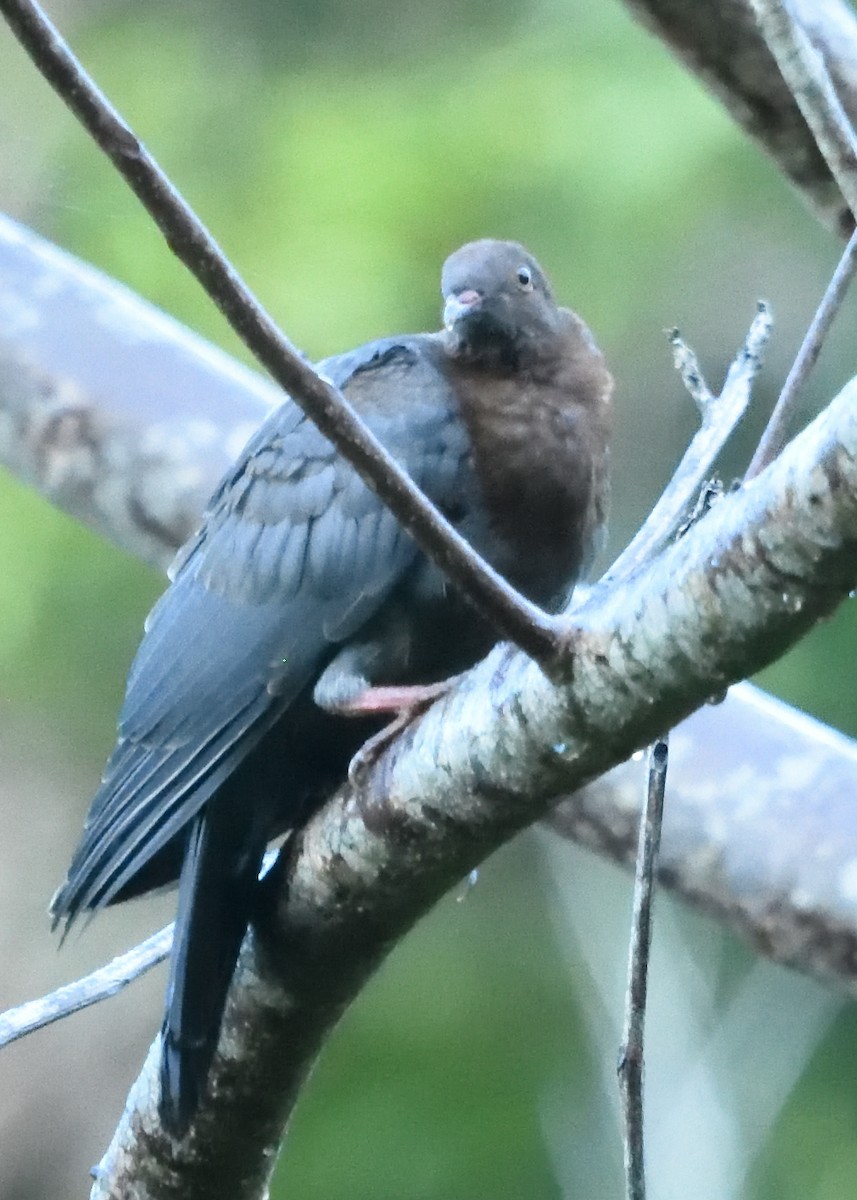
column 339, row 149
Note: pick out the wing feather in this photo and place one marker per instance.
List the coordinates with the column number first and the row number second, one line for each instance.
column 293, row 556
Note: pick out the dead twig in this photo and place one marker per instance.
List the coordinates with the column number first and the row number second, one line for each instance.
column 630, row 1066
column 776, row 431
column 720, row 415
column 106, row 981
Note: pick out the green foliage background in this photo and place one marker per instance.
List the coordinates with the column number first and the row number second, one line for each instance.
column 339, row 150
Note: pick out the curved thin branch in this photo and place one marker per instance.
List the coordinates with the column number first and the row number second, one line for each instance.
column 511, row 614
column 99, row 985
column 776, row 431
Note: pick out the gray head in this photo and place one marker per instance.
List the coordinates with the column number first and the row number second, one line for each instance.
column 499, row 306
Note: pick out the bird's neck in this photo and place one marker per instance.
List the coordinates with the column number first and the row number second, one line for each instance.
column 539, row 437
column 531, row 399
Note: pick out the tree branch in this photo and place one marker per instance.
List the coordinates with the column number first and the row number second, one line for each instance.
column 807, row 78
column 744, row 865
column 108, row 407
column 776, row 431
column 730, row 596
column 512, row 615
column 720, row 414
column 720, row 42
column 748, row 865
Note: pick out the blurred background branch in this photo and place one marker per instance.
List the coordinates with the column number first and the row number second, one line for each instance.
column 720, row 42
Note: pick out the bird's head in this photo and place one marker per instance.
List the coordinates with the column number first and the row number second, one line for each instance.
column 498, row 304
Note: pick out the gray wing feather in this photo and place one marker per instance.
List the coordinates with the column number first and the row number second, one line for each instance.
column 293, row 556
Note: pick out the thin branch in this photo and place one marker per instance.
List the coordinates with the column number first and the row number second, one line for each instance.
column 631, row 1052
column 807, row 76
column 776, row 431
column 720, row 415
column 631, row 1061
column 514, row 617
column 107, row 981
column 687, row 365
column 101, row 984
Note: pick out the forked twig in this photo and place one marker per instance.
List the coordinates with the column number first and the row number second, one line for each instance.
column 720, row 415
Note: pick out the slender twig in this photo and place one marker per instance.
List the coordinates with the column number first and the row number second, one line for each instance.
column 631, row 1055
column 687, row 365
column 805, row 73
column 774, row 437
column 630, row 1067
column 512, row 615
column 99, row 985
column 720, row 415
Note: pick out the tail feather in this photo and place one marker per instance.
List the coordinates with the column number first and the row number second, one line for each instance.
column 216, row 895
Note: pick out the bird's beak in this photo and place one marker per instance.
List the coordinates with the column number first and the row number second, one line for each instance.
column 459, row 304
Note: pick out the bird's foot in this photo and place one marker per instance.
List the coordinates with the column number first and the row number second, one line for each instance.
column 407, row 702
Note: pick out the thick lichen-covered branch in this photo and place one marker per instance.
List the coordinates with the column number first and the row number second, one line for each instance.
column 742, row 585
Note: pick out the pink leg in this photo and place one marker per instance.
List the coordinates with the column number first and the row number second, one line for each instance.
column 408, row 702
column 411, row 698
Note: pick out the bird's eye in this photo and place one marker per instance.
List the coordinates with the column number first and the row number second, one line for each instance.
column 525, row 278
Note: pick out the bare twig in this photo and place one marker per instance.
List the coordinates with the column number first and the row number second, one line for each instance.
column 514, row 617
column 101, row 984
column 630, row 1068
column 720, row 415
column 631, row 1054
column 107, row 981
column 804, row 71
column 776, row 431
column 687, row 365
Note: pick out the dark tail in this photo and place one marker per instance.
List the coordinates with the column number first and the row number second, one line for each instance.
column 216, row 896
